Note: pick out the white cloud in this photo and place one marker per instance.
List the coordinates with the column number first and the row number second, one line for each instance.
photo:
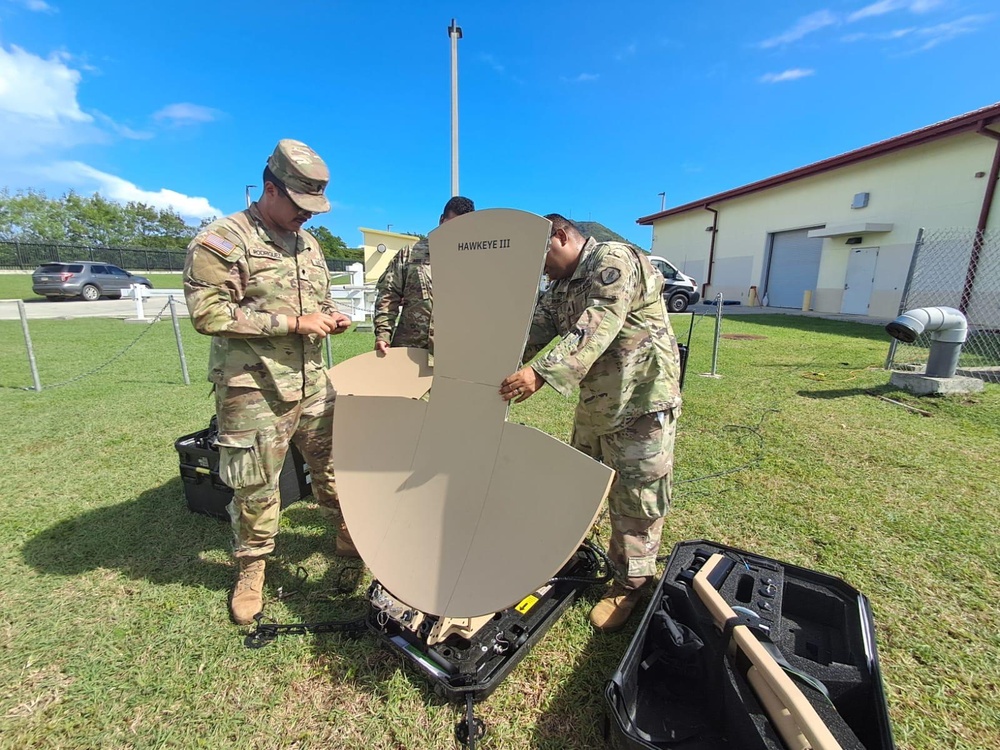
column 945, row 32
column 876, row 9
column 627, row 52
column 792, row 74
column 924, row 6
column 185, row 113
column 38, row 6
column 804, row 26
column 41, row 118
column 582, row 78
column 492, row 62
column 39, row 88
column 882, row 36
column 123, row 130
column 882, row 7
column 119, row 189
column 38, row 105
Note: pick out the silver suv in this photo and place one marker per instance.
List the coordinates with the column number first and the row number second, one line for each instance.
column 83, row 278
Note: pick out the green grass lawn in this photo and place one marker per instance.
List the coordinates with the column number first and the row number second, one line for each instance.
column 18, row 285
column 113, row 623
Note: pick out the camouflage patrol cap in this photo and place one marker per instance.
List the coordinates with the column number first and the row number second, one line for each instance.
column 303, row 173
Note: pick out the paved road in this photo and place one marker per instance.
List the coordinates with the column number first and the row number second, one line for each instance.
column 122, row 309
column 41, row 309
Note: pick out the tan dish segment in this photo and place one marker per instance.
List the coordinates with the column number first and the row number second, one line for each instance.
column 456, row 511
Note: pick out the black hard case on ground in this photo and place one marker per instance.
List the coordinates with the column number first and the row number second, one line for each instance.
column 459, row 667
column 205, row 491
column 691, row 698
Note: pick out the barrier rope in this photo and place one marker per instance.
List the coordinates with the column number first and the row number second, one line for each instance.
column 100, row 367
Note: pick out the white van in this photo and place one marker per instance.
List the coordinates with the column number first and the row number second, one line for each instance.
column 680, row 290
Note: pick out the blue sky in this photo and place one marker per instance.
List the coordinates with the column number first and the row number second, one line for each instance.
column 590, row 109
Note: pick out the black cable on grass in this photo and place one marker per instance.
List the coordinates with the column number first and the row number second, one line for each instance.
column 348, row 579
column 755, row 431
column 595, row 535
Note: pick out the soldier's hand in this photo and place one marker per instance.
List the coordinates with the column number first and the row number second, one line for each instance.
column 320, row 324
column 382, row 347
column 343, row 322
column 521, row 385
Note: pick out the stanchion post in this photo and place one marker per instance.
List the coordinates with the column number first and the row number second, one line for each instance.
column 27, row 342
column 137, row 294
column 718, row 335
column 177, row 335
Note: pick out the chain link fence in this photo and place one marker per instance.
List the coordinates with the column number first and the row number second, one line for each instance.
column 957, row 268
column 26, row 256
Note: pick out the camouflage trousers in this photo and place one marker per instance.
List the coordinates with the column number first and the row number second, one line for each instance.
column 642, row 455
column 255, row 429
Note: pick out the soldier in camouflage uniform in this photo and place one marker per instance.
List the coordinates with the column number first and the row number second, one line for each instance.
column 617, row 346
column 259, row 286
column 404, row 289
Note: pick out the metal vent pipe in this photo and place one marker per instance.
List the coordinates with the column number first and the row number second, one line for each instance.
column 948, row 330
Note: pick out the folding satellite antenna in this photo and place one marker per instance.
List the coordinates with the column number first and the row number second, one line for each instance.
column 471, row 525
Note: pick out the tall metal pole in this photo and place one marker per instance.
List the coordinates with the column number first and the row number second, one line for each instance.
column 247, row 194
column 652, row 227
column 454, row 33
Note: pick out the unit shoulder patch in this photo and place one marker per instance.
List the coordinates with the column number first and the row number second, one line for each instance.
column 609, row 276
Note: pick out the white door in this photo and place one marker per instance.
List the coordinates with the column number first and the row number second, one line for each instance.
column 860, row 281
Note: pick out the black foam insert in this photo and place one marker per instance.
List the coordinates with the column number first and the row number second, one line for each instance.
column 822, row 627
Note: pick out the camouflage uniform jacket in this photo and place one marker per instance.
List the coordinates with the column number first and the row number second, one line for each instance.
column 244, row 288
column 616, row 341
column 406, row 284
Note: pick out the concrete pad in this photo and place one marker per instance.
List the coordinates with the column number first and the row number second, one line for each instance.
column 924, row 385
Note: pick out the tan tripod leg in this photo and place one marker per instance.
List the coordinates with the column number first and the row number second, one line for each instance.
column 801, row 721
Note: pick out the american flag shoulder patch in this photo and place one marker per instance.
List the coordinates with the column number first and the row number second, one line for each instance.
column 220, row 244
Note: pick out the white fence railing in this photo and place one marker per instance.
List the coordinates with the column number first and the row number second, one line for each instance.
column 355, row 299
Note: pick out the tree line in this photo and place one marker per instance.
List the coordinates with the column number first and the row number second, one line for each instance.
column 94, row 221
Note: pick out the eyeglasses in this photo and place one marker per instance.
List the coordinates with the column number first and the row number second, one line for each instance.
column 284, row 191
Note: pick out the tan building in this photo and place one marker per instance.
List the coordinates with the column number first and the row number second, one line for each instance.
column 842, row 229
column 380, row 247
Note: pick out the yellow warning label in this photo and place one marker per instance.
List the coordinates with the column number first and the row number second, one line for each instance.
column 526, row 603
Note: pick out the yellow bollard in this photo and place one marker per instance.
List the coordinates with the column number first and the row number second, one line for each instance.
column 807, row 298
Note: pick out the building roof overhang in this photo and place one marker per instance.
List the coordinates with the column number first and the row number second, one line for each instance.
column 976, row 121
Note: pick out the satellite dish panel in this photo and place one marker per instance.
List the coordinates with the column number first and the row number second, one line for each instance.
column 456, row 511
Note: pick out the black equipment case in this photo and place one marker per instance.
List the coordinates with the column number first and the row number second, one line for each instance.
column 680, row 686
column 474, row 666
column 205, row 491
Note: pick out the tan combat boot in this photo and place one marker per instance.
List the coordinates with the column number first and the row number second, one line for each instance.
column 248, row 593
column 612, row 612
column 345, row 545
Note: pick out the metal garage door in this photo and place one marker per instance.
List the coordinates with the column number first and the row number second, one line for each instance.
column 793, row 268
